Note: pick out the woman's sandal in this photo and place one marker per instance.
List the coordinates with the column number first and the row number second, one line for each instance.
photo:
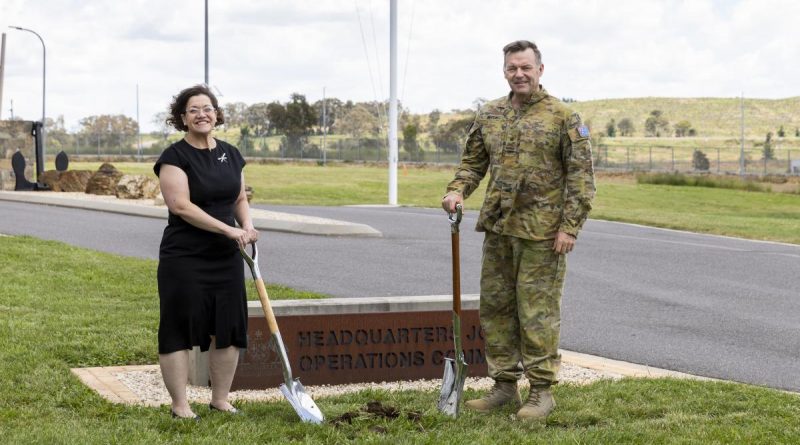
column 233, row 409
column 176, row 416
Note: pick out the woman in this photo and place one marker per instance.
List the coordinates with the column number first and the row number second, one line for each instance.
column 200, row 270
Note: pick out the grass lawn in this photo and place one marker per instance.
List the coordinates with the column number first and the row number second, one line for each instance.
column 753, row 215
column 55, row 316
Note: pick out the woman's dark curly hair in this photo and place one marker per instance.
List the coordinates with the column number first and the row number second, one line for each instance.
column 178, row 106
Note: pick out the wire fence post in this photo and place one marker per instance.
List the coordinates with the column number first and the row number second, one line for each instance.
column 628, row 159
column 718, row 161
column 673, row 158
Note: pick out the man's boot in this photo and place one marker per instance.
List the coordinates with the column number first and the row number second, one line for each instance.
column 539, row 404
column 500, row 394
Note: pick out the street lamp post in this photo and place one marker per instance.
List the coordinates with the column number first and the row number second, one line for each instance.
column 40, row 166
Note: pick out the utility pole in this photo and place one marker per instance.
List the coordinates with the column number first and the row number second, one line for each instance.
column 393, row 102
column 138, row 128
column 42, row 150
column 2, row 70
column 324, row 127
column 741, row 137
column 206, row 77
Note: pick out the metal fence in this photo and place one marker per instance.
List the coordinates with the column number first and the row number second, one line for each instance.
column 606, row 157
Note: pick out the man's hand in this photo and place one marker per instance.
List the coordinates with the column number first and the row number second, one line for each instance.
column 564, row 243
column 450, row 201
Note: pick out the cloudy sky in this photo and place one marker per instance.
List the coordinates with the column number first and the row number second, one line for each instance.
column 98, row 51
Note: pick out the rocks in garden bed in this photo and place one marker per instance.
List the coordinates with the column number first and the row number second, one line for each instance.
column 67, row 181
column 104, row 181
column 137, row 187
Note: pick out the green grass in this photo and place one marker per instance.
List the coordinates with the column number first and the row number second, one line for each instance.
column 64, row 307
column 753, row 215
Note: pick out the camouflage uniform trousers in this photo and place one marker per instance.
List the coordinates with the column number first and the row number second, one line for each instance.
column 520, row 308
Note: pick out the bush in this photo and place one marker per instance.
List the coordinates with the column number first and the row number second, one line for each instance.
column 679, row 179
column 700, row 161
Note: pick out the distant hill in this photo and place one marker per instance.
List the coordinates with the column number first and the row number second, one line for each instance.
column 710, row 117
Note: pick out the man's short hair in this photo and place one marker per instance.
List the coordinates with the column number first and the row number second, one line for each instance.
column 522, row 45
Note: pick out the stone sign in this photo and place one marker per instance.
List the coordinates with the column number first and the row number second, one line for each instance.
column 339, row 348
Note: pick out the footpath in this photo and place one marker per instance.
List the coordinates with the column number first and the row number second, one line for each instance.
column 262, row 219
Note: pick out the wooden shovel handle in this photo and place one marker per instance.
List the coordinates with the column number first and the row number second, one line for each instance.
column 264, row 297
column 456, row 274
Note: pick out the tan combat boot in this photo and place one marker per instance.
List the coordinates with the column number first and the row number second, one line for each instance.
column 539, row 404
column 500, row 394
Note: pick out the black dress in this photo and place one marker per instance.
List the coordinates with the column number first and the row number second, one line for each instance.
column 200, row 273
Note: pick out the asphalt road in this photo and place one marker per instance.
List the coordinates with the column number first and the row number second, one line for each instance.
column 707, row 305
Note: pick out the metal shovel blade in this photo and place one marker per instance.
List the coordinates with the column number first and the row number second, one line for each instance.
column 302, row 403
column 455, row 372
column 452, row 385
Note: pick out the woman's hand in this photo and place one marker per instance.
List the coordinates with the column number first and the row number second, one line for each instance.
column 252, row 234
column 240, row 236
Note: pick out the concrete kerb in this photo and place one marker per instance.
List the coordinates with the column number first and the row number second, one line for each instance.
column 262, row 219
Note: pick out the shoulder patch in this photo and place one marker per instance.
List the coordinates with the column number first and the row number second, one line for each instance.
column 583, row 131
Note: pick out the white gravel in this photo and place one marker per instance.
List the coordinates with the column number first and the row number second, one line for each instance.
column 149, row 386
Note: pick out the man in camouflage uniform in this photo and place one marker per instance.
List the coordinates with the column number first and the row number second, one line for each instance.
column 541, row 185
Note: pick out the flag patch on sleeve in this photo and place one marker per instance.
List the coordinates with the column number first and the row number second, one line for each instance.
column 583, row 131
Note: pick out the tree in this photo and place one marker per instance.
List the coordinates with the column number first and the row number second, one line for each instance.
column 700, row 161
column 611, row 128
column 108, row 130
column 768, row 152
column 797, row 132
column 451, row 136
column 683, row 128
column 234, row 114
column 357, row 121
column 781, row 132
column 433, row 120
column 333, row 110
column 162, row 127
column 257, row 118
column 410, row 132
column 625, row 127
column 57, row 136
column 276, row 113
column 244, row 138
column 300, row 118
column 656, row 124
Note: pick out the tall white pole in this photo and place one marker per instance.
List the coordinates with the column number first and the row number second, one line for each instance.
column 206, row 36
column 2, row 69
column 393, row 102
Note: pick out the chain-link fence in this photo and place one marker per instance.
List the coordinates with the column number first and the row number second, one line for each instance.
column 720, row 160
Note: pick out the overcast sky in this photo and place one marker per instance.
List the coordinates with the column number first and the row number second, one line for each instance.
column 449, row 51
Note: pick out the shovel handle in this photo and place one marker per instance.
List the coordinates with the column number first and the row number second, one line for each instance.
column 456, row 273
column 268, row 313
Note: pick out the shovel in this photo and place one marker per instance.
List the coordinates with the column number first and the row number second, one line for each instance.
column 291, row 389
column 455, row 369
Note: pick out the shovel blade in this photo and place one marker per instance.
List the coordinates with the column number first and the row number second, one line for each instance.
column 455, row 372
column 302, row 403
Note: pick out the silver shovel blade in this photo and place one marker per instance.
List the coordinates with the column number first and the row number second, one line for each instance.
column 302, row 403
column 455, row 372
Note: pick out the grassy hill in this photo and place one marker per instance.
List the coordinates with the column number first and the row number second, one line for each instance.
column 711, row 117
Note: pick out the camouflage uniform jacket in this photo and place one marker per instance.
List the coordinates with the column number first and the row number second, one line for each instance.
column 539, row 161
